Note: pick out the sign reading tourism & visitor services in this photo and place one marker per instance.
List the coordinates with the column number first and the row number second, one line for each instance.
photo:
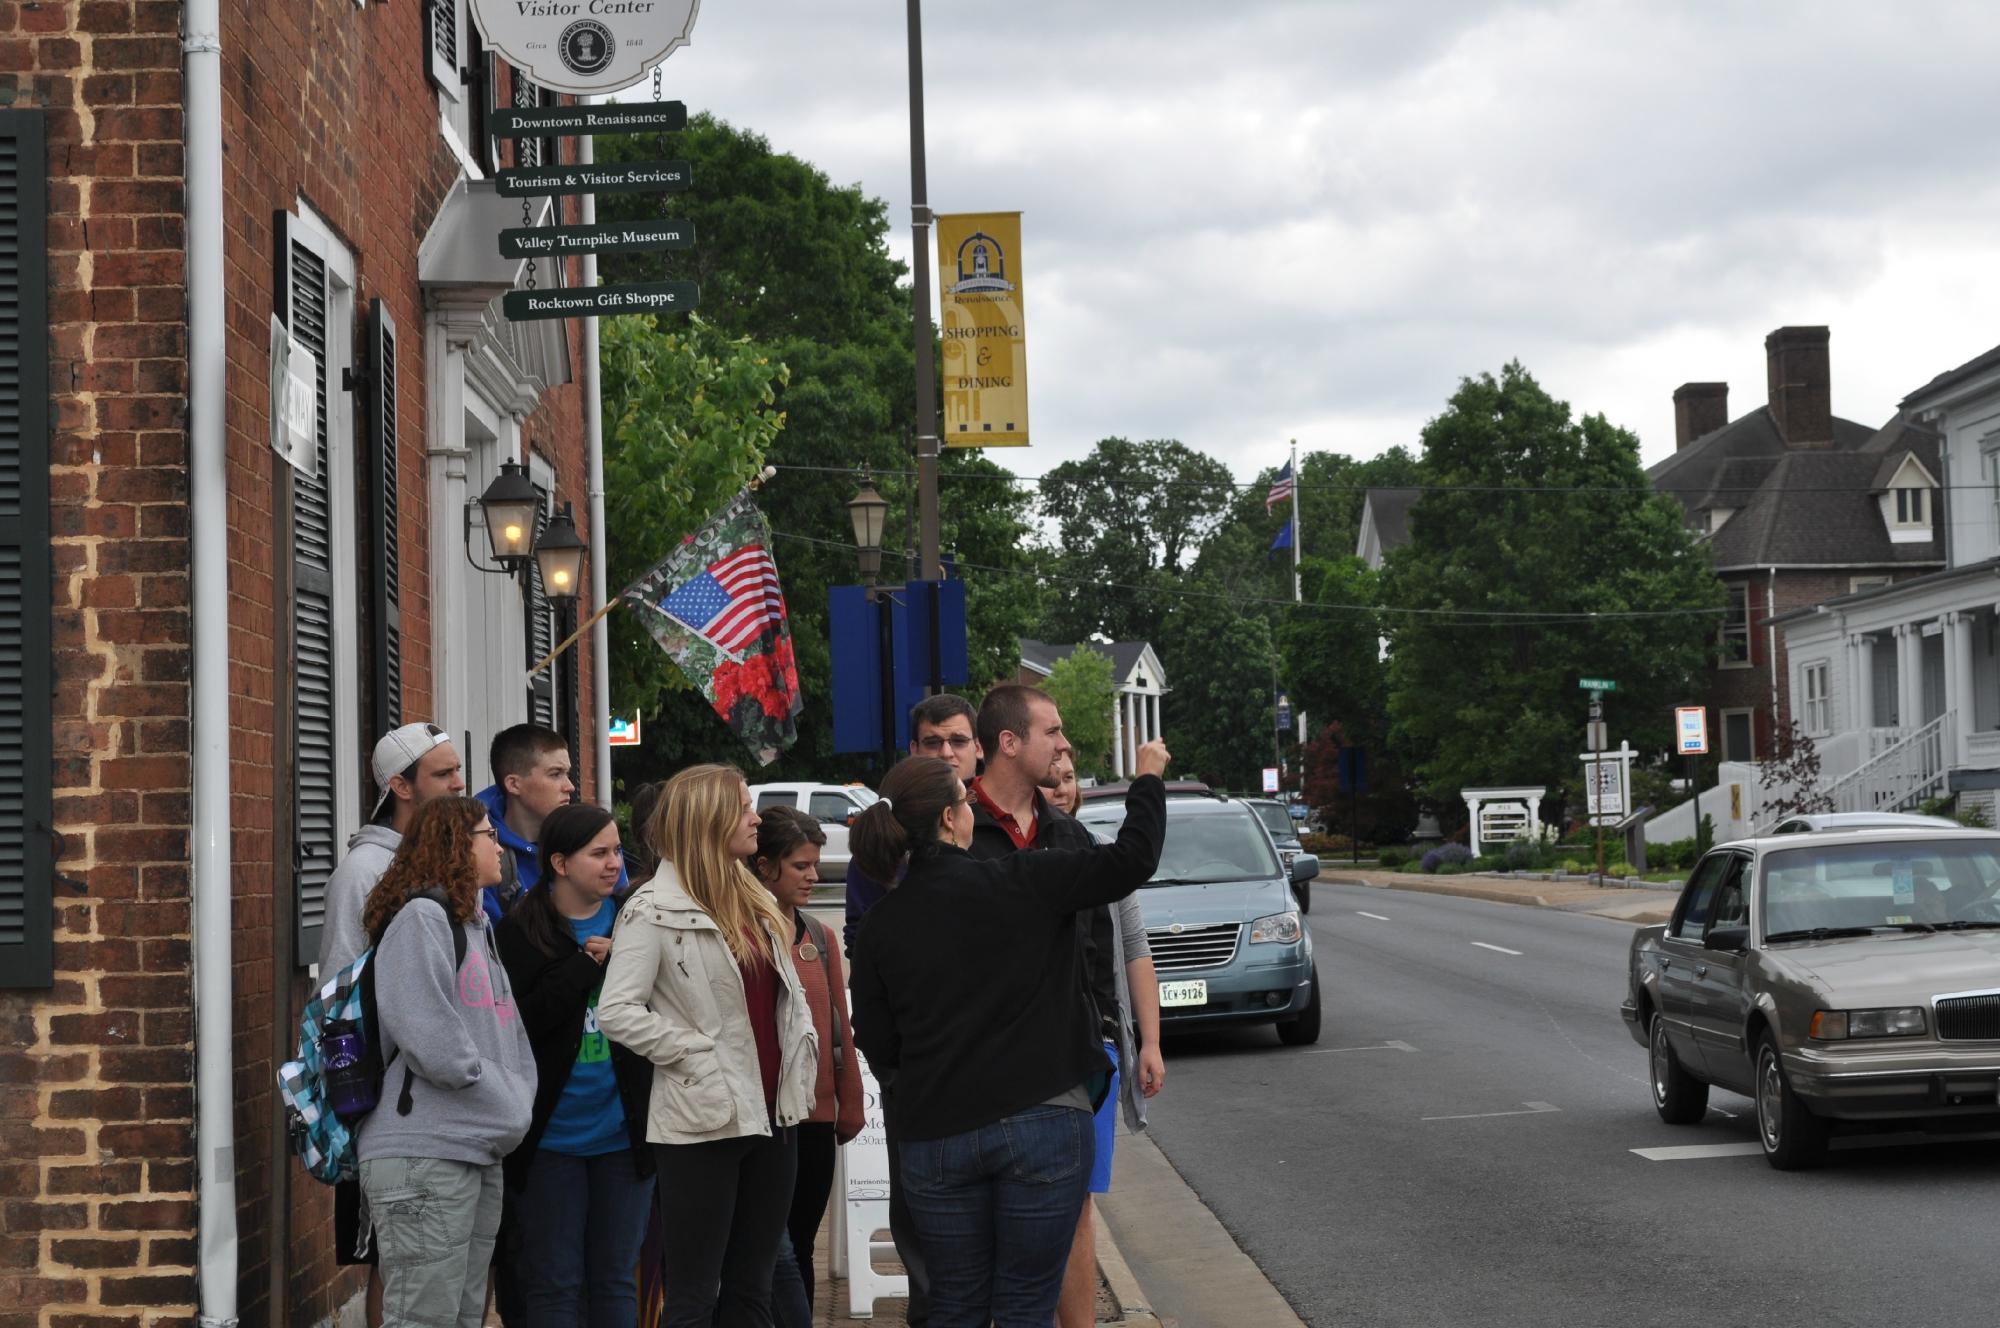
column 647, row 297
column 613, row 237
column 585, row 46
column 646, row 177
column 630, row 117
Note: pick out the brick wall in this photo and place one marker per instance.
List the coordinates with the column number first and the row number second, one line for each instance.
column 96, row 1183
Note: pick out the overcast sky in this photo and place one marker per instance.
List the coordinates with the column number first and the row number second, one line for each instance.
column 1255, row 221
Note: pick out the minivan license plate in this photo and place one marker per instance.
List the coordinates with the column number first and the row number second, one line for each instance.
column 1191, row 992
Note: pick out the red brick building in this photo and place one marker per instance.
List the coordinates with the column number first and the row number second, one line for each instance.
column 356, row 206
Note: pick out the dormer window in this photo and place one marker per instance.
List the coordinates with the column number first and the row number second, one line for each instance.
column 1910, row 507
column 1909, row 503
column 1719, row 517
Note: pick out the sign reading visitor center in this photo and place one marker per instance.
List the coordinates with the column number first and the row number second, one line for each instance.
column 585, row 46
column 615, row 237
column 647, row 297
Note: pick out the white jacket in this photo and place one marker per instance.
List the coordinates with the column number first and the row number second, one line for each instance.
column 673, row 994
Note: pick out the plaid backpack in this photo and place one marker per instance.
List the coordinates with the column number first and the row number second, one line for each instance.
column 339, row 1026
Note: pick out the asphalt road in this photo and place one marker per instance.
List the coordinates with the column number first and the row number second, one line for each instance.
column 1458, row 1150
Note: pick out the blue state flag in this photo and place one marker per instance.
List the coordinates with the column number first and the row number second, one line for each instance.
column 1282, row 541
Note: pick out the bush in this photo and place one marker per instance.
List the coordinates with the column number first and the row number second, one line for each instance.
column 1621, row 870
column 1520, row 856
column 1447, row 855
column 1571, row 867
column 1321, row 846
column 1392, row 856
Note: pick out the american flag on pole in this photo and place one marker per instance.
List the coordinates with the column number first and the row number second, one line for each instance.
column 714, row 604
column 1281, row 489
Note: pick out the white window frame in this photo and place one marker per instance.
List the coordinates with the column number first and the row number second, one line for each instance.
column 1989, row 475
column 1816, row 697
column 313, row 232
column 1730, row 629
column 1749, row 713
column 1860, row 583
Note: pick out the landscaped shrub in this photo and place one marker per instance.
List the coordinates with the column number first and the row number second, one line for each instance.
column 1621, row 870
column 1447, row 855
column 1572, row 867
column 1520, row 856
column 1392, row 856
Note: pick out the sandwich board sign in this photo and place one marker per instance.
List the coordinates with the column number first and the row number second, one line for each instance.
column 585, row 46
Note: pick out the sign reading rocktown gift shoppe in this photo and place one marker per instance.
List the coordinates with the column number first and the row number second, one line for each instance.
column 585, row 46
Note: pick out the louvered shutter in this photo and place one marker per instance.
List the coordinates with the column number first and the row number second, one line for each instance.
column 27, row 812
column 541, row 629
column 314, row 815
column 441, row 40
column 385, row 596
column 527, row 96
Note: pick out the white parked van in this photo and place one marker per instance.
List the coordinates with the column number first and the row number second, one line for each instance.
column 834, row 806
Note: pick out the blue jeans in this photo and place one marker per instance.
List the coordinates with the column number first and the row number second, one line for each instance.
column 579, row 1224
column 996, row 1211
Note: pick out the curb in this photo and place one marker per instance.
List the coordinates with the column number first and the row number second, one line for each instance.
column 1118, row 1277
column 1496, row 894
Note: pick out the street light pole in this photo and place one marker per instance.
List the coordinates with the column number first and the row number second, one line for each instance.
column 920, row 302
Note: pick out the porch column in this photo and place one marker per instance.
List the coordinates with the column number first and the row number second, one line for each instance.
column 1958, row 684
column 1909, row 676
column 1153, row 708
column 1860, row 682
column 1117, row 736
column 1131, row 729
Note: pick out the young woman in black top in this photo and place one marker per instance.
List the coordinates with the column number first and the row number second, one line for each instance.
column 581, row 1184
column 970, row 1004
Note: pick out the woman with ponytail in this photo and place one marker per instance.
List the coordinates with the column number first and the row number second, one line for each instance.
column 701, row 983
column 969, row 1003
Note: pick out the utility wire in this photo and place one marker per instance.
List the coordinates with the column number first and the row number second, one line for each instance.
column 1450, row 617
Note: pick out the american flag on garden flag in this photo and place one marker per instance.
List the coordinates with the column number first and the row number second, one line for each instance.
column 1281, row 489
column 731, row 602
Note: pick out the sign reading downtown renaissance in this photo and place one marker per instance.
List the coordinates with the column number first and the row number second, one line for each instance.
column 646, row 297
column 985, row 353
column 585, row 46
column 642, row 117
column 613, row 237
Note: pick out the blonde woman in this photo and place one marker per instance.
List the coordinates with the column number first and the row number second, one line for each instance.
column 701, row 983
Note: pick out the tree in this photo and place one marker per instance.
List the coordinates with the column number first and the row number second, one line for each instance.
column 1529, row 514
column 1218, row 717
column 1789, row 777
column 1084, row 691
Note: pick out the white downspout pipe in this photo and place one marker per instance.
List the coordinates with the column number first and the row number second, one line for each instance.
column 208, row 498
column 593, row 434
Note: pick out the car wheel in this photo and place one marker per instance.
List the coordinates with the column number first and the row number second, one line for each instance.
column 1305, row 894
column 1304, row 1030
column 1793, row 1138
column 1679, row 1097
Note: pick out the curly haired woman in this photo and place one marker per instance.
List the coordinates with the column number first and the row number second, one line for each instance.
column 459, row 1088
column 701, row 983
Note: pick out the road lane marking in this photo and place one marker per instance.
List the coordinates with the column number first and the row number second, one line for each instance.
column 1694, row 1152
column 1373, row 1046
column 1501, row 948
column 1377, row 916
column 1533, row 1109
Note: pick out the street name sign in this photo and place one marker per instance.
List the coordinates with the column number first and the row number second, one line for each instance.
column 646, row 177
column 585, row 46
column 632, row 117
column 1597, row 684
column 614, row 237
column 1691, row 730
column 648, row 297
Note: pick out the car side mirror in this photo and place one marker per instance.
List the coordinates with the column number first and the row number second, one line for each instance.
column 1734, row 939
column 1304, row 868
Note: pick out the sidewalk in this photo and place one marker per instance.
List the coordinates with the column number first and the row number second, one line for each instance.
column 1640, row 905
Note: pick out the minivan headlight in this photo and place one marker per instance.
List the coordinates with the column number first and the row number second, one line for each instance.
column 1837, row 1025
column 1279, row 929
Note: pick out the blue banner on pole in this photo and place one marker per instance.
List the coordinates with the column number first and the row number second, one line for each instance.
column 856, row 637
column 1353, row 770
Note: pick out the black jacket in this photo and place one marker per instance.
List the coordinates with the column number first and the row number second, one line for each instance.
column 1057, row 829
column 967, row 978
column 552, row 996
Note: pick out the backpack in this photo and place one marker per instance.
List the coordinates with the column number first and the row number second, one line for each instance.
column 337, row 1076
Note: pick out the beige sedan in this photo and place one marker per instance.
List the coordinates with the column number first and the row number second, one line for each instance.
column 1845, row 982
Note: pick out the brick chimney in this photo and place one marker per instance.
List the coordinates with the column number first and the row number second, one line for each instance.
column 1801, row 394
column 1699, row 410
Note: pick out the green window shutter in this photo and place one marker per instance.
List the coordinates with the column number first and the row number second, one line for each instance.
column 385, row 596
column 27, row 810
column 314, row 808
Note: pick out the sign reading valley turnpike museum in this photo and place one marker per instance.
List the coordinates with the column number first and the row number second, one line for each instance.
column 985, row 353
column 585, row 46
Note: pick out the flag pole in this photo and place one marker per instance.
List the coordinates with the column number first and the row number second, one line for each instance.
column 1297, row 597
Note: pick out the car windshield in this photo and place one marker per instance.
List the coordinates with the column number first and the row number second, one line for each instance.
column 1202, row 847
column 1275, row 818
column 1911, row 884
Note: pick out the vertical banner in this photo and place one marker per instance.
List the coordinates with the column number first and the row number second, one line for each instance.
column 985, row 350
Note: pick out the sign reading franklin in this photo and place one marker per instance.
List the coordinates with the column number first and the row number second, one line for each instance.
column 585, row 46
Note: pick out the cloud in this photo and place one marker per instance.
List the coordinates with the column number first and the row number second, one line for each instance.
column 1251, row 222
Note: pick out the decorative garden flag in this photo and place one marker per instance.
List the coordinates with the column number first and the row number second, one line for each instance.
column 715, row 606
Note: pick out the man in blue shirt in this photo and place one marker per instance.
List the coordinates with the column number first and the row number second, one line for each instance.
column 531, row 778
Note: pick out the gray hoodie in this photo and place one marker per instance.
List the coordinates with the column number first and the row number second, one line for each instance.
column 472, row 1080
column 341, row 938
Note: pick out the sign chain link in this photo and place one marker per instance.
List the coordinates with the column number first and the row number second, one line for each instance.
column 520, row 150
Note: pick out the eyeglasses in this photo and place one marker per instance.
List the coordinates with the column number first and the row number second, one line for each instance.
column 490, row 832
column 934, row 742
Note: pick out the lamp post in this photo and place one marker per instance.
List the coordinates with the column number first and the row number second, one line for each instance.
column 510, row 504
column 868, row 510
column 560, row 553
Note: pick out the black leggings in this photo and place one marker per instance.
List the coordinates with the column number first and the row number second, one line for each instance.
column 816, row 1149
column 722, row 1210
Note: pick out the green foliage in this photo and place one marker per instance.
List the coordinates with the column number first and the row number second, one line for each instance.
column 1081, row 685
column 1392, row 857
column 1217, row 717
column 1540, row 514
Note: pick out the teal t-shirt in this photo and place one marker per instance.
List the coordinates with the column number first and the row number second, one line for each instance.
column 589, row 1120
